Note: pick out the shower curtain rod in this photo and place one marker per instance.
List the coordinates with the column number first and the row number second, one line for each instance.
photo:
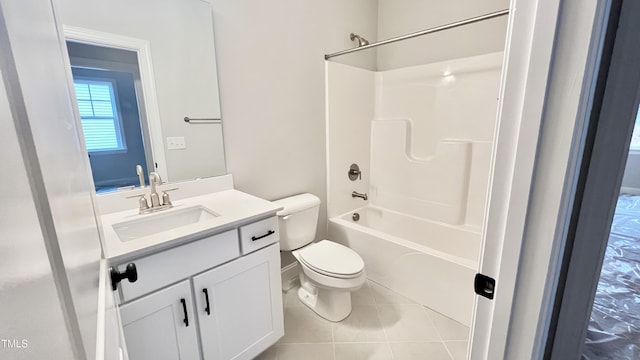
column 422, row 32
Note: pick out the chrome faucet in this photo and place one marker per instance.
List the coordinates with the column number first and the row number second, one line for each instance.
column 140, row 173
column 154, row 179
column 357, row 194
column 155, row 203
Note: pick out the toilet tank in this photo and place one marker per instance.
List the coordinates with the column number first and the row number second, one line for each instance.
column 298, row 220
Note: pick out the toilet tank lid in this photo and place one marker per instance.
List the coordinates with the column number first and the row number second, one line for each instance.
column 296, row 203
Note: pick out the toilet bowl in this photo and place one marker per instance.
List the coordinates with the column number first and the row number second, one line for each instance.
column 329, row 271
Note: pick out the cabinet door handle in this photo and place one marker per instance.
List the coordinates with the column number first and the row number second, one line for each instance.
column 270, row 232
column 186, row 316
column 131, row 274
column 206, row 298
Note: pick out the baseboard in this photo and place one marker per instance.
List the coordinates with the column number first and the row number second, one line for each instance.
column 629, row 190
column 290, row 276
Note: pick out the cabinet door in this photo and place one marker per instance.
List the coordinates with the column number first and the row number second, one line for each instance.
column 161, row 325
column 243, row 314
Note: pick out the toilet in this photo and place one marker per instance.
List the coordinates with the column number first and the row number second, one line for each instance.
column 329, row 271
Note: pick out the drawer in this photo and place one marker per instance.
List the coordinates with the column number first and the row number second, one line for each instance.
column 169, row 266
column 259, row 234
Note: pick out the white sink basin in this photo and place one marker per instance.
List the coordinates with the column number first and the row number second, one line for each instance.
column 161, row 222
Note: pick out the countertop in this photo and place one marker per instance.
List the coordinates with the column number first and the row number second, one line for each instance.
column 233, row 207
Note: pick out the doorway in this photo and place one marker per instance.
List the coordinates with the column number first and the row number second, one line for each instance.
column 106, row 83
column 614, row 325
column 595, row 315
column 111, row 126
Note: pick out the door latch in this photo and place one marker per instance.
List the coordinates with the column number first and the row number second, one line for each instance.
column 484, row 286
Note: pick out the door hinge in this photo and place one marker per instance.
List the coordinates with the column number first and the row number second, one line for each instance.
column 484, row 286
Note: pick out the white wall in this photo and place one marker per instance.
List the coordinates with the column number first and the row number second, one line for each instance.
column 455, row 99
column 433, row 187
column 270, row 57
column 399, row 17
column 350, row 109
column 391, row 123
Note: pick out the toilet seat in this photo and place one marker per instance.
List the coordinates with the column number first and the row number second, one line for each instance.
column 331, row 259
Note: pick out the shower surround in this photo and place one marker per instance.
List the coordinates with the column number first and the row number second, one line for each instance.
column 422, row 136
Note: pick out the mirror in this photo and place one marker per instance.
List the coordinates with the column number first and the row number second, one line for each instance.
column 140, row 68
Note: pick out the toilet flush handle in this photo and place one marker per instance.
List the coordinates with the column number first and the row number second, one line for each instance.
column 286, row 217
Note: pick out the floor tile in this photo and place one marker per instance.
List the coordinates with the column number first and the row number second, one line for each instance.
column 363, row 351
column 448, row 329
column 382, row 325
column 291, row 298
column 362, row 325
column 458, row 349
column 404, row 322
column 302, row 325
column 305, row 352
column 269, row 354
column 362, row 296
column 382, row 295
column 419, row 351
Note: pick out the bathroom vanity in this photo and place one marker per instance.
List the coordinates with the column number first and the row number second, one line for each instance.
column 207, row 285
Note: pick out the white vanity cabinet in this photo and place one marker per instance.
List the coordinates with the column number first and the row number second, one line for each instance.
column 205, row 299
column 161, row 325
column 239, row 306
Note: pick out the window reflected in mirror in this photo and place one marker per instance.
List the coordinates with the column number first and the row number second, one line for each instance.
column 112, row 123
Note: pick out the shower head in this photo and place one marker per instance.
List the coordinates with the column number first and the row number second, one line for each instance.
column 361, row 41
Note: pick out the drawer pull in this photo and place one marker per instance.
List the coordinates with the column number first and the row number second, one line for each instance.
column 186, row 316
column 207, row 309
column 270, row 232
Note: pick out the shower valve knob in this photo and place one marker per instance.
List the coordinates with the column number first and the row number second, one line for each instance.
column 354, row 172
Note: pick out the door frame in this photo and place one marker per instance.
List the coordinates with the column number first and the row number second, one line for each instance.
column 603, row 168
column 551, row 61
column 150, row 104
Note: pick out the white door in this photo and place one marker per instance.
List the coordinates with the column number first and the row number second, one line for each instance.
column 595, row 310
column 239, row 306
column 548, row 83
column 161, row 325
column 52, row 233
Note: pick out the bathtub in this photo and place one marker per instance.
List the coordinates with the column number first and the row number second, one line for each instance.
column 429, row 262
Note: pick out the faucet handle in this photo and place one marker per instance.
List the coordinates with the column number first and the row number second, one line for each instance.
column 165, row 196
column 142, row 203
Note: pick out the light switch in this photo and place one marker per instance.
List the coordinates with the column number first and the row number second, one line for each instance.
column 176, row 143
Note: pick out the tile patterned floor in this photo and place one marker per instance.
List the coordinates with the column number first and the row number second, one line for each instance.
column 382, row 326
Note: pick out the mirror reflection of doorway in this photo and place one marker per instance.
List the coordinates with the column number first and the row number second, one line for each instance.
column 108, row 103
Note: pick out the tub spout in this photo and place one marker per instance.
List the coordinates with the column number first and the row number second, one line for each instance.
column 357, row 194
